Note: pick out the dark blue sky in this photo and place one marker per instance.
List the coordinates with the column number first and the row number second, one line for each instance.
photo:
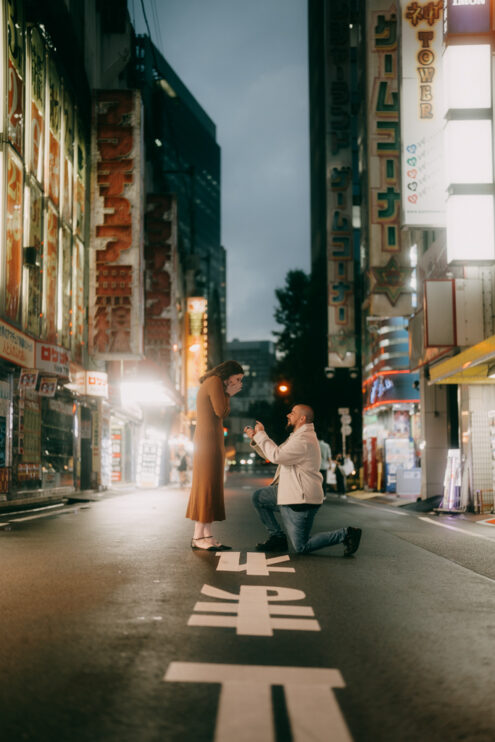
column 245, row 61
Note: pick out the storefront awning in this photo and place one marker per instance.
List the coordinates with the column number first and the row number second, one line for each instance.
column 471, row 366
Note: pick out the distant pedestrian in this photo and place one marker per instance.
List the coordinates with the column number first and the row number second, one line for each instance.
column 296, row 491
column 326, row 460
column 340, row 475
column 206, row 501
column 183, row 467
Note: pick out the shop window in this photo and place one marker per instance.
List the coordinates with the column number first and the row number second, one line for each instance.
column 57, row 443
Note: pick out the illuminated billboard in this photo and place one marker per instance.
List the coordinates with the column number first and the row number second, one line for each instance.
column 196, row 348
column 422, row 115
column 390, row 272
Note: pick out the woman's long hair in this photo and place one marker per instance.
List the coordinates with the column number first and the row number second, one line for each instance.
column 224, row 370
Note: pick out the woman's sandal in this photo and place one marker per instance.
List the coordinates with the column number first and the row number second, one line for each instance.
column 203, row 548
column 221, row 547
column 217, row 546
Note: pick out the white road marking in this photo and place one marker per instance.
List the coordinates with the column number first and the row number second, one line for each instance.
column 253, row 610
column 42, row 515
column 488, row 522
column 454, row 528
column 256, row 563
column 395, row 511
column 245, row 713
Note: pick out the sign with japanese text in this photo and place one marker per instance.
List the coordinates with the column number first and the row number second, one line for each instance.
column 37, row 117
column 52, row 161
column 33, row 240
column 389, row 274
column 15, row 75
column 340, row 249
column 78, row 307
column 67, row 159
column 50, row 268
column 52, row 360
column 96, row 384
column 116, row 301
column 196, row 348
column 422, row 115
column 90, row 383
column 80, row 179
column 65, row 282
column 15, row 346
column 13, row 234
column 161, row 324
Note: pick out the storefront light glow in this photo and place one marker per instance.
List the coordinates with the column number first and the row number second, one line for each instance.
column 460, row 62
column 468, row 151
column 146, row 393
column 470, row 228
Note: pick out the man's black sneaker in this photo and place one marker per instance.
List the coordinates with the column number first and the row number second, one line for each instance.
column 274, row 543
column 351, row 541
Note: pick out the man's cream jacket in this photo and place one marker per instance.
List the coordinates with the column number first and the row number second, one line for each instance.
column 298, row 458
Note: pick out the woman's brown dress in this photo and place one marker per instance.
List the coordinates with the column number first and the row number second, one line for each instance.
column 206, row 498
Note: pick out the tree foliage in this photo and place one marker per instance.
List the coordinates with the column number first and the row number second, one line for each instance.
column 302, row 356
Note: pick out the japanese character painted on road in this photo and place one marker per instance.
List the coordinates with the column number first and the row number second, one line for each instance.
column 256, row 563
column 245, row 708
column 254, row 611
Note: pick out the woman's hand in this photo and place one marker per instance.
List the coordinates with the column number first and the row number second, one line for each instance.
column 232, row 386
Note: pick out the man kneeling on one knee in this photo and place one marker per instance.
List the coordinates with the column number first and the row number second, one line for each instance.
column 296, row 491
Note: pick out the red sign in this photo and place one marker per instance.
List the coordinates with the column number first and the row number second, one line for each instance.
column 50, row 275
column 116, row 329
column 161, row 271
column 38, row 80
column 13, row 273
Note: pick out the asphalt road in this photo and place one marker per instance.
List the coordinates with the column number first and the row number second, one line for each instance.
column 112, row 628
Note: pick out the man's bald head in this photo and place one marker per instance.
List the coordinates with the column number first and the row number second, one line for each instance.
column 307, row 411
column 300, row 415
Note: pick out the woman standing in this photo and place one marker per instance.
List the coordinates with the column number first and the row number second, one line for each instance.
column 206, row 498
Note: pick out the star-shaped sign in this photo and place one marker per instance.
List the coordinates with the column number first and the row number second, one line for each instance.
column 392, row 280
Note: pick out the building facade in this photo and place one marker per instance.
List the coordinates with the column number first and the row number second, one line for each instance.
column 96, row 252
column 257, row 358
column 184, row 159
column 424, row 143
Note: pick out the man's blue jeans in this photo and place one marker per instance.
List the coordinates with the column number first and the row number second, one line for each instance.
column 297, row 523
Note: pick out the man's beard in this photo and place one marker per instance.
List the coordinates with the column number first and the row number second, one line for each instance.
column 289, row 427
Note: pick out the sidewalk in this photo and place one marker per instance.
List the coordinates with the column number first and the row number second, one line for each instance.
column 50, row 499
column 414, row 504
column 382, row 498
